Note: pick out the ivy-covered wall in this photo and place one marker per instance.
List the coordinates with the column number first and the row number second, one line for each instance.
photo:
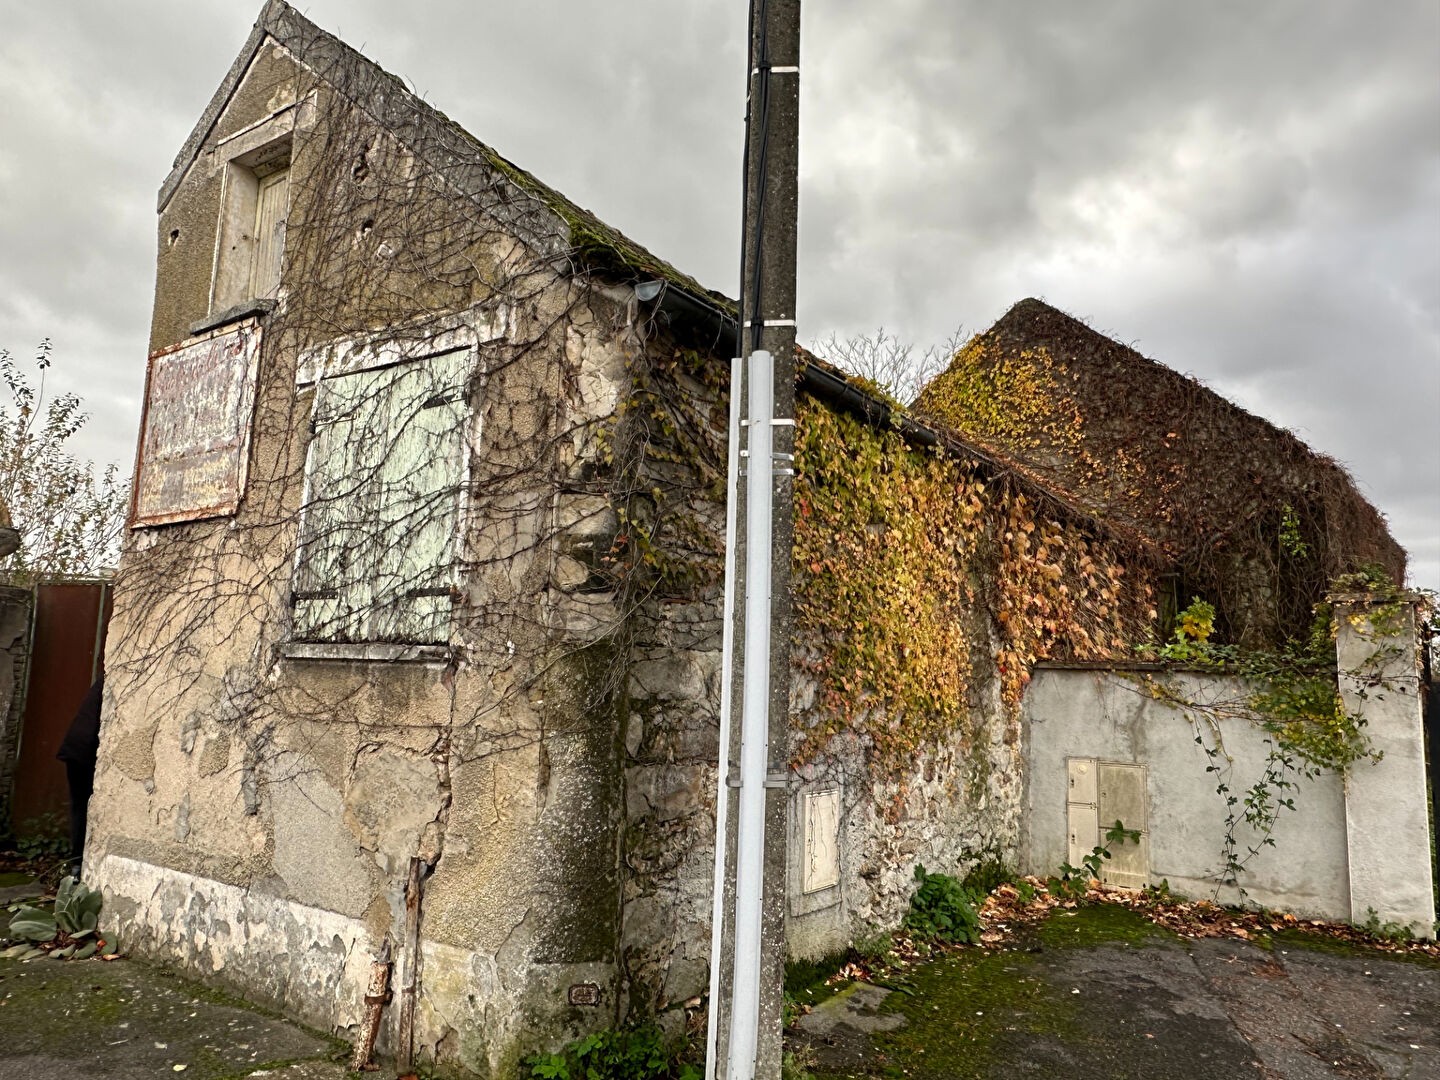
column 928, row 582
column 1247, row 516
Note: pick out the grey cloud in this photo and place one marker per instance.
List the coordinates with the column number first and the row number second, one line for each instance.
column 1250, row 192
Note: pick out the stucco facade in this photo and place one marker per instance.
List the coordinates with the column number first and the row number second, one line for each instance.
column 268, row 774
column 1353, row 848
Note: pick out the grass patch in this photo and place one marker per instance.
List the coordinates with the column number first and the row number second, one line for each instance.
column 1100, row 924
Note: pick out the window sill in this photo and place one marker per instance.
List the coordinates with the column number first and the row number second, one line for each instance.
column 369, row 652
column 232, row 314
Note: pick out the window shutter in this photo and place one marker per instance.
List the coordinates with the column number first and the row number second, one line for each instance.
column 418, row 502
column 386, row 465
column 330, row 581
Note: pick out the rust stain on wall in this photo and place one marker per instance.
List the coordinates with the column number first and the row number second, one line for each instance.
column 195, row 445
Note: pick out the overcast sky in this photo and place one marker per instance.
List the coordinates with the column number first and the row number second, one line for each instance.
column 1247, row 191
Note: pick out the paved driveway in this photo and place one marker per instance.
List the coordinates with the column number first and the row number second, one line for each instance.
column 1101, row 994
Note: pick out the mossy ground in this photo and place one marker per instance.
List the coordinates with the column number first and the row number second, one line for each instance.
column 133, row 1019
column 1099, row 992
column 1335, row 946
column 965, row 1011
column 1099, row 924
column 806, row 981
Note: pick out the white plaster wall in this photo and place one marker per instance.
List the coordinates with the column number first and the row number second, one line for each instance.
column 1388, row 819
column 1071, row 713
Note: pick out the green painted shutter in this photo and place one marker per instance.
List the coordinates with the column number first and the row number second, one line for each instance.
column 385, row 472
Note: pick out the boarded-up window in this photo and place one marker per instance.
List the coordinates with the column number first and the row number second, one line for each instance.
column 271, row 203
column 384, row 474
column 1100, row 794
column 195, row 438
column 821, row 868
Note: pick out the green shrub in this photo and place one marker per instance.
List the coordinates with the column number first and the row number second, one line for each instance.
column 77, row 907
column 33, row 924
column 46, row 836
column 633, row 1054
column 943, row 909
column 76, row 913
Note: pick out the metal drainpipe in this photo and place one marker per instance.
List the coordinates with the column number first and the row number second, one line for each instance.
column 722, row 760
column 755, row 723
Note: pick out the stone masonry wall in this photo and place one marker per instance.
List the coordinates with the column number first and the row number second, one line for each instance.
column 258, row 807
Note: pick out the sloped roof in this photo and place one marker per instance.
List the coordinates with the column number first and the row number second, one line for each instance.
column 435, row 139
column 477, row 168
column 1182, row 429
column 1031, row 322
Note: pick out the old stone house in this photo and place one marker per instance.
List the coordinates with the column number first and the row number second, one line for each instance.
column 416, row 634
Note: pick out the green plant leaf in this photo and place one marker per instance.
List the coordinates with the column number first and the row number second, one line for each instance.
column 32, row 924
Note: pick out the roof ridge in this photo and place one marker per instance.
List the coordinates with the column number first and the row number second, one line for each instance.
column 599, row 245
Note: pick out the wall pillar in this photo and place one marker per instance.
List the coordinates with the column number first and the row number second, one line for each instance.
column 1386, row 815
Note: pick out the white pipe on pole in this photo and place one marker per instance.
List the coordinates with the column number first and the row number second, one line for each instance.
column 754, row 724
column 722, row 760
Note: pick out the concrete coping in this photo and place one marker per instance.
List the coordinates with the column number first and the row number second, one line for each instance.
column 1175, row 666
column 1408, row 596
column 232, row 314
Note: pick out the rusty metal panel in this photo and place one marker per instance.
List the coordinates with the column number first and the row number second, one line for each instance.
column 68, row 641
column 195, row 435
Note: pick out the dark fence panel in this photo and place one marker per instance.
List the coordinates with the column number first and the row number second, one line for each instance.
column 67, row 644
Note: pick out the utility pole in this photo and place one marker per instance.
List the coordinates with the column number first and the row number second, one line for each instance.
column 748, row 947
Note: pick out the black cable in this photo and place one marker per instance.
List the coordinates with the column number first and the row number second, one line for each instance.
column 757, row 328
column 745, row 180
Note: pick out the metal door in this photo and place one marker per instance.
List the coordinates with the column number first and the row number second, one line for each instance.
column 67, row 645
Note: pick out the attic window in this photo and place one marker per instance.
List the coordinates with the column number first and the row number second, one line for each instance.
column 272, row 200
column 250, row 247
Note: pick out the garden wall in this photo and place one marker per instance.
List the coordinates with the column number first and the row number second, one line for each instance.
column 1350, row 847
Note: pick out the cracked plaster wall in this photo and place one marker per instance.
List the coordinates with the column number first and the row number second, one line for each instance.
column 255, row 815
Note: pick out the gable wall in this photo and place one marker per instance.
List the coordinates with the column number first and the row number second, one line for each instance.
column 256, row 812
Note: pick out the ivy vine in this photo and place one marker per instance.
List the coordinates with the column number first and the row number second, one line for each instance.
column 1293, row 695
column 923, row 583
